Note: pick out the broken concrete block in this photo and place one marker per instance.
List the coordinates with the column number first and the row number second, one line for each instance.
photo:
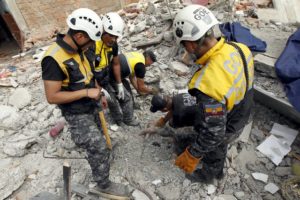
column 12, row 177
column 283, row 171
column 271, row 187
column 224, row 197
column 9, row 117
column 178, row 66
column 265, row 64
column 244, row 137
column 20, row 98
column 211, row 189
column 138, row 195
column 17, row 146
column 260, row 176
column 168, row 36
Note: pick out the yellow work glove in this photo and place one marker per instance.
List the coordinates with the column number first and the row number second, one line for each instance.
column 187, row 162
column 160, row 123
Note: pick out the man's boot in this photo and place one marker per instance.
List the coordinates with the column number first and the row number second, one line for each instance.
column 112, row 191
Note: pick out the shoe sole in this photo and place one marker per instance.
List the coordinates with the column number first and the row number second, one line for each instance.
column 108, row 196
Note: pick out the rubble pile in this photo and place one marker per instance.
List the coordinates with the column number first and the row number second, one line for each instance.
column 31, row 160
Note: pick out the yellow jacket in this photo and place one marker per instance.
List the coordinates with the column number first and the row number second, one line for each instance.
column 222, row 75
column 77, row 72
column 132, row 59
column 103, row 55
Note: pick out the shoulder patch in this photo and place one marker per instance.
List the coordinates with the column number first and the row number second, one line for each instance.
column 213, row 109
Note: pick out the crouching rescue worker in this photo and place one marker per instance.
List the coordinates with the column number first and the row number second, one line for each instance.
column 223, row 89
column 133, row 66
column 70, row 83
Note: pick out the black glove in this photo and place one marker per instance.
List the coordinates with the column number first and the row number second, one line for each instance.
column 115, row 49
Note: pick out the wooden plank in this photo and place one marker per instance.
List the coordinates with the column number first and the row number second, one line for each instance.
column 277, row 104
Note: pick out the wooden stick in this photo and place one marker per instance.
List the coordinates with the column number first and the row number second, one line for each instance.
column 67, row 180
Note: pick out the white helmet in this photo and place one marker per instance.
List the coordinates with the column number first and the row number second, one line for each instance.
column 86, row 20
column 192, row 22
column 113, row 24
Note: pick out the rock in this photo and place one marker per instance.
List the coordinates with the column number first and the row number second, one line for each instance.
column 232, row 152
column 257, row 134
column 239, row 194
column 18, row 145
column 224, row 197
column 260, row 176
column 211, row 189
column 178, row 66
column 20, row 98
column 168, row 36
column 186, row 183
column 283, row 171
column 12, row 177
column 138, row 195
column 141, row 26
column 231, row 171
column 9, row 117
column 169, row 192
column 150, row 9
column 272, row 188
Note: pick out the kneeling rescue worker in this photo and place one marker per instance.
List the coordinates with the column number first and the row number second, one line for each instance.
column 70, row 83
column 223, row 89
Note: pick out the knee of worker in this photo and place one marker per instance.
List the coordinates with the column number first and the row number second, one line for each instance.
column 97, row 149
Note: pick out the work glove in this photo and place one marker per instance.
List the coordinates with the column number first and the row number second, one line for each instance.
column 106, row 94
column 187, row 162
column 121, row 94
column 160, row 123
column 115, row 49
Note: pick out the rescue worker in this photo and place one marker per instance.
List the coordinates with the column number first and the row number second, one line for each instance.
column 180, row 109
column 133, row 66
column 106, row 51
column 70, row 83
column 223, row 89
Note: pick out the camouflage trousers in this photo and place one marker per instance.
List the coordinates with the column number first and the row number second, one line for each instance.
column 87, row 134
column 213, row 161
column 120, row 109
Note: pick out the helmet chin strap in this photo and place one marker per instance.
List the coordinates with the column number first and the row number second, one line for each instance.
column 79, row 47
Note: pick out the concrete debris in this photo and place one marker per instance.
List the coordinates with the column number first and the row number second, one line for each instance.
column 20, row 98
column 260, row 176
column 12, row 177
column 272, row 188
column 26, row 117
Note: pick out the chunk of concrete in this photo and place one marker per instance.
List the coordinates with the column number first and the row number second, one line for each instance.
column 260, row 176
column 178, row 66
column 265, row 64
column 138, row 195
column 271, row 187
column 8, row 117
column 20, row 98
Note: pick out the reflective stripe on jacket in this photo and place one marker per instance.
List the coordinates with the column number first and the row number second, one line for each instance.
column 222, row 75
column 103, row 55
column 78, row 73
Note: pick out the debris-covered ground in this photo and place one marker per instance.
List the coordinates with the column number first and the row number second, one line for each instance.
column 31, row 160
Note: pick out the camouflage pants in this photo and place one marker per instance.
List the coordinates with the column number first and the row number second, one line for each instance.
column 213, row 161
column 86, row 133
column 121, row 110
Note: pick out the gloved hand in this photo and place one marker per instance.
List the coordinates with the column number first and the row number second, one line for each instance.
column 160, row 123
column 187, row 162
column 121, row 94
column 106, row 94
column 115, row 49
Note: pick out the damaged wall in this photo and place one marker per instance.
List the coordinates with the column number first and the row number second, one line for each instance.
column 39, row 20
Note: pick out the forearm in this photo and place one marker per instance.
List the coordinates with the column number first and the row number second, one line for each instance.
column 133, row 82
column 62, row 97
column 144, row 90
column 117, row 70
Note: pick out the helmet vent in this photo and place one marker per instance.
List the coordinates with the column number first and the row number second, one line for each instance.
column 179, row 32
column 110, row 27
column 73, row 21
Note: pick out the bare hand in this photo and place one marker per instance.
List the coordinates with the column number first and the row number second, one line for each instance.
column 104, row 102
column 149, row 131
column 93, row 93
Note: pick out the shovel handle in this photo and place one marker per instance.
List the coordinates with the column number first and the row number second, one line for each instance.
column 105, row 130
